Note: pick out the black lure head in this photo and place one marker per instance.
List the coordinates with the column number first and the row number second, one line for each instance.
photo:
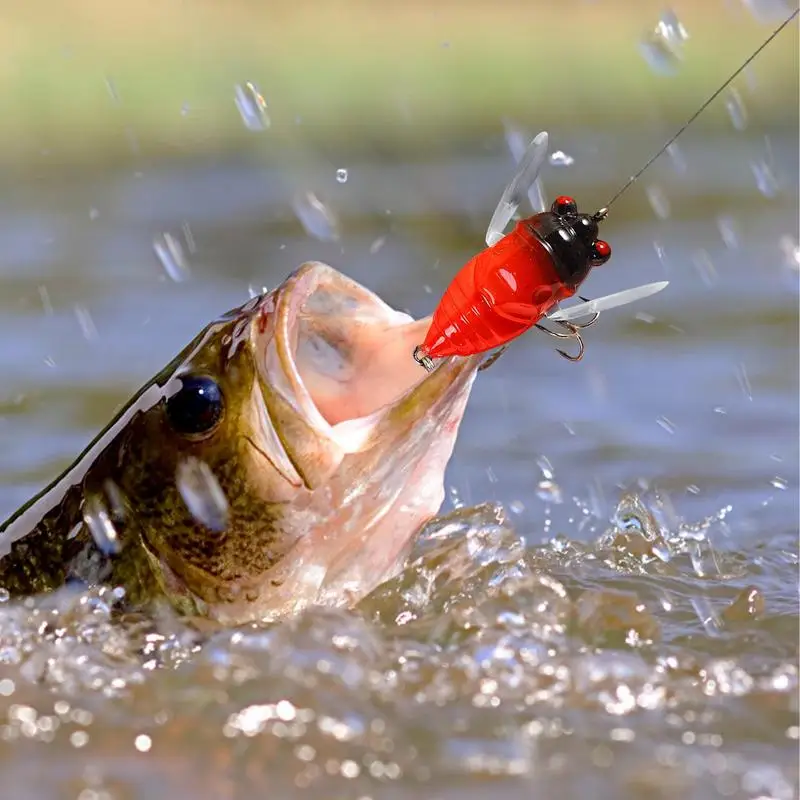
column 571, row 239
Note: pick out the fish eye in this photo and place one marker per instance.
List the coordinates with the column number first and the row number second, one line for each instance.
column 564, row 205
column 601, row 252
column 196, row 408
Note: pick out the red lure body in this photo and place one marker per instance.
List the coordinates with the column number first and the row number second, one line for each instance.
column 496, row 296
column 506, row 289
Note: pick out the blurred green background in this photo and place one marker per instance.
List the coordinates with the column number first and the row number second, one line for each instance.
column 90, row 80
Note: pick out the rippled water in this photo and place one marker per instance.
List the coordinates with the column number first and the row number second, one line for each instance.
column 610, row 611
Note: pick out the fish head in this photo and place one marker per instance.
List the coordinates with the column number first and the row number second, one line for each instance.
column 295, row 452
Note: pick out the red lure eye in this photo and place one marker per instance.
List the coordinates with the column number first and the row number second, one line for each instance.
column 602, row 252
column 564, row 205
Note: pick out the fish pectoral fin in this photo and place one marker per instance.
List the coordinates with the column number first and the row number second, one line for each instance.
column 523, row 313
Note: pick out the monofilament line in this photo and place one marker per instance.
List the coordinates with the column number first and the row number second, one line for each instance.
column 702, row 108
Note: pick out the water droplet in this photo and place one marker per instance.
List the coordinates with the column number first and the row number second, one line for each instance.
column 559, row 158
column 662, row 47
column 171, row 256
column 744, row 381
column 455, row 498
column 549, row 491
column 666, row 424
column 79, row 739
column 202, row 494
column 93, row 213
column 44, row 295
column 766, row 11
column 116, row 499
column 720, row 410
column 5, row 595
column 658, row 201
column 779, row 483
column 188, row 237
column 341, row 176
column 86, row 323
column 101, row 527
column 252, row 107
column 677, row 158
column 377, row 245
column 185, row 109
column 736, row 110
column 643, row 316
column 765, row 178
column 317, row 218
column 728, row 232
column 543, row 462
column 516, row 506
column 705, row 267
column 112, row 90
column 143, row 743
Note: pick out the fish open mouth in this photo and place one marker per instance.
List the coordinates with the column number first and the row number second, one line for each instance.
column 338, row 360
column 349, row 439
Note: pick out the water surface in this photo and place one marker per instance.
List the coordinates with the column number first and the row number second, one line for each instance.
column 619, row 620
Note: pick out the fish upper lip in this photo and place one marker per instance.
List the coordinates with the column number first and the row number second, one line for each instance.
column 279, row 367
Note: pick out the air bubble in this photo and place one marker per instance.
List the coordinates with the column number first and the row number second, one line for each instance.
column 662, row 47
column 317, row 219
column 202, row 494
column 171, row 257
column 341, row 176
column 252, row 107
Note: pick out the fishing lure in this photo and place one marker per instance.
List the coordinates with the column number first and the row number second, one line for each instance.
column 523, row 276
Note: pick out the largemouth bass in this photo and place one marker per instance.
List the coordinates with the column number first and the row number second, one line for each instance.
column 321, row 439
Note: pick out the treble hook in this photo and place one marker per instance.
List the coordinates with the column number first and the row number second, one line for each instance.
column 574, row 333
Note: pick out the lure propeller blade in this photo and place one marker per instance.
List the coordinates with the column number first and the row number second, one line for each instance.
column 527, row 171
column 607, row 302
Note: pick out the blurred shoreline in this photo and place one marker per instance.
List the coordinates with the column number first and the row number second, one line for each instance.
column 89, row 82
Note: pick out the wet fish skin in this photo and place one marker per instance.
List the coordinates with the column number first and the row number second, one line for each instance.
column 306, row 521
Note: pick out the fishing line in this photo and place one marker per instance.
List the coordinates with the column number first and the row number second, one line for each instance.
column 603, row 211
